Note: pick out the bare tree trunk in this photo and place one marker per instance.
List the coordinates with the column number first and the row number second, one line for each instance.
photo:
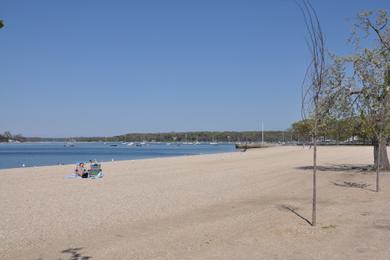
column 314, row 210
column 380, row 152
column 378, row 165
column 314, row 207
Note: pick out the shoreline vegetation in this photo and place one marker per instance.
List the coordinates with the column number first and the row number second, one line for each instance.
column 345, row 131
column 196, row 136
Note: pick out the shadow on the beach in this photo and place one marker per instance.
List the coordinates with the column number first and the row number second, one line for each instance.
column 382, row 224
column 362, row 168
column 75, row 254
column 294, row 211
column 349, row 184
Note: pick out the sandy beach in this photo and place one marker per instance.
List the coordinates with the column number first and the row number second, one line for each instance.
column 251, row 205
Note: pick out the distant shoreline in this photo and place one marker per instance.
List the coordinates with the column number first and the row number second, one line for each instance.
column 122, row 161
column 146, row 153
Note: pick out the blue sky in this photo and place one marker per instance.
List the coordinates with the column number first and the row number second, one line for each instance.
column 92, row 68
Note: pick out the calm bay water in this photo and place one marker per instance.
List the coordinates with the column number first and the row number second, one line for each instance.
column 39, row 154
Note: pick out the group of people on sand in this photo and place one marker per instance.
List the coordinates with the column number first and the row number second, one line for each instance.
column 84, row 170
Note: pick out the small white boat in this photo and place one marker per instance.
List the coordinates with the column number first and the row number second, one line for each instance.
column 213, row 143
column 130, row 144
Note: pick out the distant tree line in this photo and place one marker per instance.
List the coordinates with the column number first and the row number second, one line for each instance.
column 199, row 136
column 7, row 137
column 206, row 136
column 350, row 130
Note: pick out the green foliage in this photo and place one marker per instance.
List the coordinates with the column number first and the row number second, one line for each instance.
column 302, row 130
column 203, row 136
column 371, row 70
column 7, row 136
column 336, row 130
column 3, row 138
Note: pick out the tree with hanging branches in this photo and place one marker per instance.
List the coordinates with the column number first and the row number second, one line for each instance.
column 313, row 85
column 319, row 93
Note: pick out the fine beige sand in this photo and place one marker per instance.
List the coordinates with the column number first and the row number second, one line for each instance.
column 250, row 205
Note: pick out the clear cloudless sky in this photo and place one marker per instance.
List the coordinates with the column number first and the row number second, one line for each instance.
column 92, row 68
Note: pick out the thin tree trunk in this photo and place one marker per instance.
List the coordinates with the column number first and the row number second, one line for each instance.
column 378, row 163
column 380, row 152
column 314, row 208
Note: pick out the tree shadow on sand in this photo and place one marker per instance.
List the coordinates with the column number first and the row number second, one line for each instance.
column 349, row 184
column 75, row 254
column 294, row 211
column 347, row 168
column 359, row 168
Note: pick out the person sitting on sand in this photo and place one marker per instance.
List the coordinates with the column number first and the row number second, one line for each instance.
column 81, row 171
